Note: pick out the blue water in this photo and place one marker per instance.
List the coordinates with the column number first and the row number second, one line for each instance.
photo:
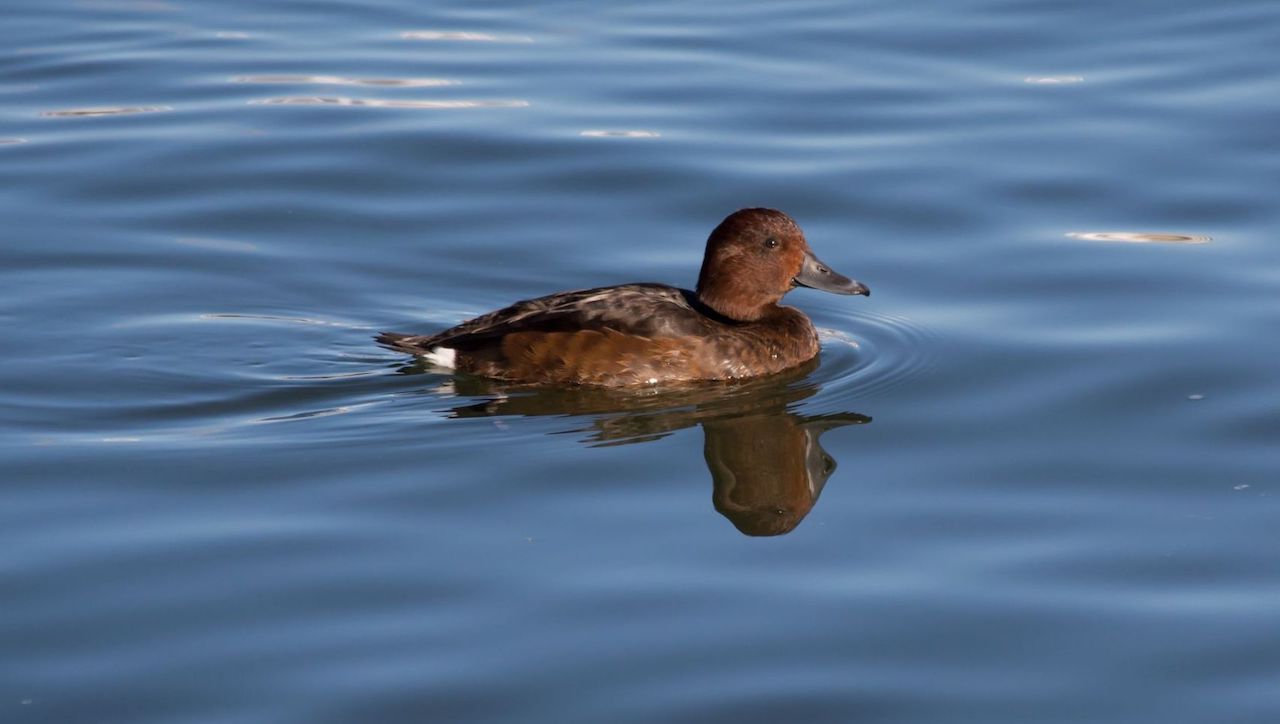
column 1053, row 425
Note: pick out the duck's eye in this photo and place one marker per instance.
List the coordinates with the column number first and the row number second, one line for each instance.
column 771, row 243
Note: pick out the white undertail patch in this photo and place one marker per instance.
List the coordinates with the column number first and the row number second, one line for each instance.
column 441, row 357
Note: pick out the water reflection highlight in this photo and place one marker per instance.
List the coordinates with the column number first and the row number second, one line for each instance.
column 1140, row 237
column 602, row 133
column 457, row 36
column 385, row 103
column 1053, row 79
column 106, row 111
column 341, row 80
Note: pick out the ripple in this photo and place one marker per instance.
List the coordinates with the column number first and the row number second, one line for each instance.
column 12, row 141
column 106, row 111
column 342, row 80
column 387, row 103
column 464, row 37
column 601, row 133
column 1139, row 237
column 1053, row 79
column 272, row 318
column 312, row 414
column 877, row 353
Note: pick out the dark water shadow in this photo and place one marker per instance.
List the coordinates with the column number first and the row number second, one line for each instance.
column 766, row 462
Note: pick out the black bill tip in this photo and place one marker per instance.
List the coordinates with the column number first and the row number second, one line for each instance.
column 817, row 275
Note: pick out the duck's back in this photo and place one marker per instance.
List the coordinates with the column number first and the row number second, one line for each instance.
column 622, row 335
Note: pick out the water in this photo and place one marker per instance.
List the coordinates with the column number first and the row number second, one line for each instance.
column 1053, row 426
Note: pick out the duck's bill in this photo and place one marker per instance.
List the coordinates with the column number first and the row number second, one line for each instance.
column 816, row 275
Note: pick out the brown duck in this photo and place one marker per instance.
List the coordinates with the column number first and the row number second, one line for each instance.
column 730, row 327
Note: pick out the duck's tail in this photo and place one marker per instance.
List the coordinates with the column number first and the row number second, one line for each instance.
column 420, row 346
column 396, row 340
column 392, row 338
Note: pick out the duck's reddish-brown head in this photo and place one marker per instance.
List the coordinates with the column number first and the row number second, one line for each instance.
column 754, row 257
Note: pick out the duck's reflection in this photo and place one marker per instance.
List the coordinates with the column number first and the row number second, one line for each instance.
column 769, row 468
column 766, row 462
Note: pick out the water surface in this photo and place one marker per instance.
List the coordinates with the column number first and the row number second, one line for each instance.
column 1032, row 479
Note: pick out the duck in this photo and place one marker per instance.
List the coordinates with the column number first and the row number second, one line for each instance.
column 729, row 327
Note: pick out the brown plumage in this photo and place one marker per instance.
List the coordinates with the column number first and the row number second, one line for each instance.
column 731, row 327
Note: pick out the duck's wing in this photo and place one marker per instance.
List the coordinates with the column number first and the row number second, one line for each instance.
column 640, row 310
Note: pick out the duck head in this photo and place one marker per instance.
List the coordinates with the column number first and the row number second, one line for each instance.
column 754, row 257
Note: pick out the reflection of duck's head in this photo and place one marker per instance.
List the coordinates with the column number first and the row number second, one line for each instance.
column 769, row 469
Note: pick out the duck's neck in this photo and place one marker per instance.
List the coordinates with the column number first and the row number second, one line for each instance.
column 723, row 296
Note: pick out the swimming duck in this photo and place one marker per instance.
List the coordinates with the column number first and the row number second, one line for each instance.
column 730, row 327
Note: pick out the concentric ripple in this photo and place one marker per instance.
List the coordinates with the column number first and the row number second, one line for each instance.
column 875, row 353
